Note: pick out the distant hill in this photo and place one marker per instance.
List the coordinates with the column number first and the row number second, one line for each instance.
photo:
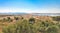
column 47, row 14
column 35, row 14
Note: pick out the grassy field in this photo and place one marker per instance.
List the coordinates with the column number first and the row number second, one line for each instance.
column 30, row 24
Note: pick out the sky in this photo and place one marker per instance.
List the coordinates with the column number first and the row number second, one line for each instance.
column 30, row 6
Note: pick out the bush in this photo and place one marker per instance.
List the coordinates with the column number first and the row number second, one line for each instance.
column 22, row 17
column 32, row 20
column 16, row 18
column 4, row 20
column 9, row 19
column 52, row 29
column 57, row 18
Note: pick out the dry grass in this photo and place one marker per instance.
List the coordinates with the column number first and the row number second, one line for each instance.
column 44, row 18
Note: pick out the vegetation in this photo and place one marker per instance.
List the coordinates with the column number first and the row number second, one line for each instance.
column 31, row 20
column 57, row 18
column 16, row 18
column 31, row 26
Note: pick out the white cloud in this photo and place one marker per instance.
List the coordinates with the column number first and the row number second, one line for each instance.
column 48, row 10
column 43, row 10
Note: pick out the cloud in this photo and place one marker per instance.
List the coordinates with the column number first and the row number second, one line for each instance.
column 48, row 10
column 41, row 10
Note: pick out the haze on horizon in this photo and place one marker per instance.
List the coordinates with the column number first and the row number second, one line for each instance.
column 30, row 6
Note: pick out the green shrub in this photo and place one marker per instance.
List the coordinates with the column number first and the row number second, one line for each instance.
column 22, row 17
column 9, row 19
column 16, row 18
column 57, row 18
column 52, row 29
column 32, row 20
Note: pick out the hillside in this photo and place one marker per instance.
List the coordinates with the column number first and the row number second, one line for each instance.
column 29, row 23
